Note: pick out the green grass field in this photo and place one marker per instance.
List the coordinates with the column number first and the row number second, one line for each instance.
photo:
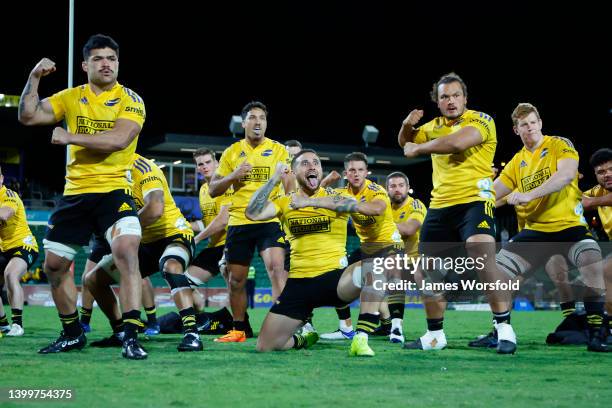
column 234, row 374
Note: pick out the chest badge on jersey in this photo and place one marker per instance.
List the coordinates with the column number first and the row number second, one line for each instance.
column 523, row 164
column 242, row 154
column 112, row 102
column 84, row 100
column 266, row 153
column 544, row 153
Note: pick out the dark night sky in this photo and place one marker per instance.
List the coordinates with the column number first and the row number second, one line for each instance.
column 324, row 69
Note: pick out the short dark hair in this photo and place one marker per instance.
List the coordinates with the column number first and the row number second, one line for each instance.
column 397, row 174
column 252, row 105
column 293, row 143
column 600, row 157
column 203, row 151
column 447, row 79
column 301, row 152
column 98, row 41
column 355, row 156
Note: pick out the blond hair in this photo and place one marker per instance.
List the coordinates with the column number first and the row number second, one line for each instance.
column 522, row 110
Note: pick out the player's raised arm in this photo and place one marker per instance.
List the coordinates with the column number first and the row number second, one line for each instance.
column 260, row 208
column 408, row 131
column 33, row 111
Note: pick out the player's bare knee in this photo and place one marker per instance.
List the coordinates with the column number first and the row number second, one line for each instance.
column 237, row 282
column 173, row 266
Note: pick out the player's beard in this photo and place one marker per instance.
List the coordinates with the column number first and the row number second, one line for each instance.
column 399, row 200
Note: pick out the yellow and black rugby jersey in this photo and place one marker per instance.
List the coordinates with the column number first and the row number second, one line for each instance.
column 373, row 230
column 317, row 236
column 462, row 177
column 264, row 159
column 147, row 177
column 15, row 232
column 411, row 209
column 89, row 171
column 210, row 209
column 605, row 212
column 527, row 170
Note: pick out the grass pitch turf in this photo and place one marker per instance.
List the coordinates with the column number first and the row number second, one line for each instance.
column 234, row 374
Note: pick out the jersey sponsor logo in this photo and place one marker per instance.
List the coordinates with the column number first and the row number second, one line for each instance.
column 149, row 180
column 90, row 126
column 480, row 122
column 257, row 174
column 363, row 220
column 523, row 164
column 534, row 180
column 267, row 153
column 544, row 153
column 484, row 224
column 112, row 102
column 125, row 207
column 133, row 109
column 209, row 210
column 309, row 225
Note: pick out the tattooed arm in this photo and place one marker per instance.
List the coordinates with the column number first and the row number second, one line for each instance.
column 336, row 203
column 260, row 208
column 33, row 111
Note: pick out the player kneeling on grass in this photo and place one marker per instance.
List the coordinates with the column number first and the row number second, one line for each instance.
column 167, row 245
column 18, row 251
column 318, row 275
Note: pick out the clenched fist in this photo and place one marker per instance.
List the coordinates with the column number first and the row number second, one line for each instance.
column 44, row 67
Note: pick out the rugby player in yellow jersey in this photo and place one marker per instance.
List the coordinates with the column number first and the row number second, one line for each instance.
column 18, row 251
column 167, row 246
column 318, row 275
column 373, row 222
column 462, row 144
column 213, row 226
column 247, row 165
column 408, row 215
column 544, row 174
column 378, row 236
column 294, row 147
column 600, row 197
column 557, row 269
column 98, row 247
column 104, row 119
